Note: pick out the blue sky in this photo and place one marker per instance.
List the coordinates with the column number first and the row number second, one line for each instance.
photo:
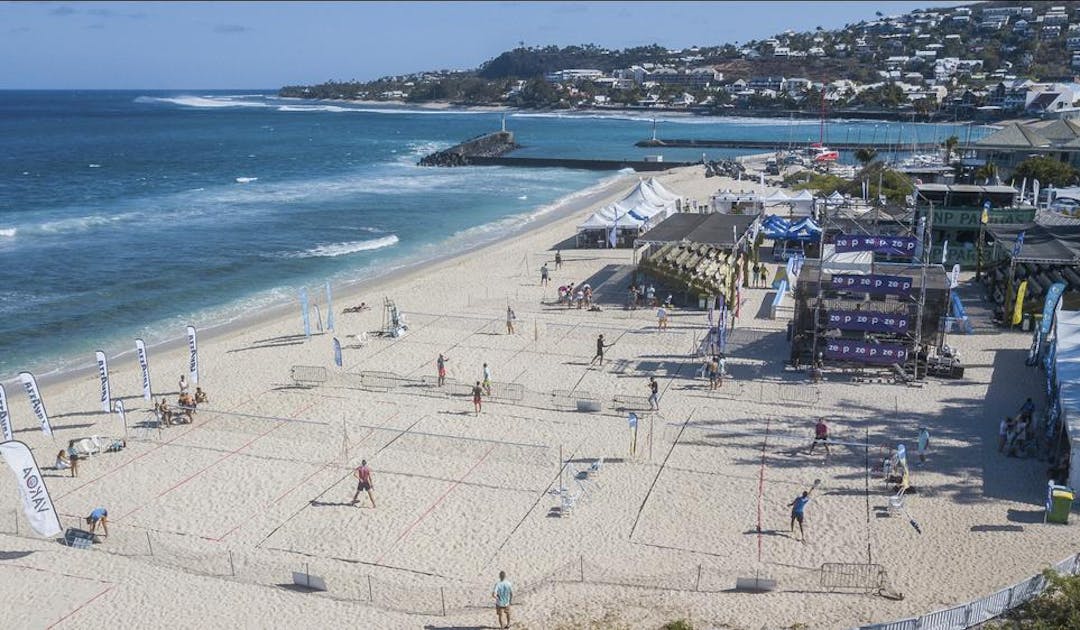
column 125, row 45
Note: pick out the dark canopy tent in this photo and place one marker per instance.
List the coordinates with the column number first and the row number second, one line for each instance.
column 710, row 229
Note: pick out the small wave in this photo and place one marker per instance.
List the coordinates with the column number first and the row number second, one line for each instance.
column 344, row 249
column 199, row 101
column 524, row 197
column 93, row 165
column 246, row 180
column 8, row 232
column 82, row 224
column 315, row 108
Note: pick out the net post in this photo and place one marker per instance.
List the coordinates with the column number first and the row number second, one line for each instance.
column 442, row 596
column 697, row 583
column 149, row 545
column 232, row 565
column 581, row 569
column 370, row 591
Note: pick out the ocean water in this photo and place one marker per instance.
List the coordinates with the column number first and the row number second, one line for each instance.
column 126, row 214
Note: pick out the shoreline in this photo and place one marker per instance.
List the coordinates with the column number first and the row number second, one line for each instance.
column 345, row 292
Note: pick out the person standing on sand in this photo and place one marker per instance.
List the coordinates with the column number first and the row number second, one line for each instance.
column 544, row 277
column 363, row 479
column 440, row 363
column 487, row 380
column 654, row 393
column 755, row 276
column 600, row 345
column 477, row 397
column 924, row 444
column 798, row 511
column 503, row 593
column 558, row 260
column 510, row 317
column 661, row 318
column 183, row 385
column 821, row 434
column 764, row 277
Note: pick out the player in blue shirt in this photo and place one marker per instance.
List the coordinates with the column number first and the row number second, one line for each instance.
column 504, row 596
column 798, row 510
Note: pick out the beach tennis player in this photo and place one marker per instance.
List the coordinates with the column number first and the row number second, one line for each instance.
column 798, row 511
column 363, row 483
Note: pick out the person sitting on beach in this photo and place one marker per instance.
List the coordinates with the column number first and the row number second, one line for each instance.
column 99, row 516
column 200, row 396
column 357, row 309
column 64, row 462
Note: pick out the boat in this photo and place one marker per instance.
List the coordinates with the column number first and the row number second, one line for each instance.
column 818, row 152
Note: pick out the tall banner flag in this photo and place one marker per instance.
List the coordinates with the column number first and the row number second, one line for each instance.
column 193, row 355
column 329, row 308
column 144, row 366
column 337, row 352
column 1035, row 193
column 613, row 236
column 304, row 313
column 1018, row 310
column 103, row 378
column 30, row 385
column 944, row 251
column 5, row 418
column 1018, row 245
column 318, row 318
column 1053, row 294
column 37, row 505
column 118, row 406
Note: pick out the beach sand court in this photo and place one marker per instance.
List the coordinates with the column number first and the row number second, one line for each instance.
column 260, row 484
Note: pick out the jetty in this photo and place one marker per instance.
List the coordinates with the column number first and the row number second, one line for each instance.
column 703, row 143
column 491, row 149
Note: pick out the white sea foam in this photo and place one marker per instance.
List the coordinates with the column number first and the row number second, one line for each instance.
column 246, row 180
column 82, row 224
column 94, row 165
column 8, row 232
column 334, row 250
column 200, row 101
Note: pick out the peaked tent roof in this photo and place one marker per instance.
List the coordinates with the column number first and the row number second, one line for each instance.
column 1015, row 135
column 660, row 189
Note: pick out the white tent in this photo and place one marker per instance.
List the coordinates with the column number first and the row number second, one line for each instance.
column 802, row 203
column 660, row 190
column 778, row 198
column 723, row 201
column 647, row 203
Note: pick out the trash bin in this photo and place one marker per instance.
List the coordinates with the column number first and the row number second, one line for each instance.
column 1059, row 504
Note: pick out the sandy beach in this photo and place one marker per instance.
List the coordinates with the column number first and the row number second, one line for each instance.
column 207, row 520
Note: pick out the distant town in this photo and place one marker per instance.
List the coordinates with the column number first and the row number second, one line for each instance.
column 984, row 62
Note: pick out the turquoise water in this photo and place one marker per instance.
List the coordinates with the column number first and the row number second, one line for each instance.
column 127, row 214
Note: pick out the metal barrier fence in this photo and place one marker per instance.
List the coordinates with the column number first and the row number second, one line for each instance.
column 983, row 609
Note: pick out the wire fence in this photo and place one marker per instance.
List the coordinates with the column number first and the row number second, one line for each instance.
column 983, row 609
column 761, row 391
column 419, row 592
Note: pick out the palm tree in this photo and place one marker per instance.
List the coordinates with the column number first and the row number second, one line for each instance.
column 865, row 155
column 950, row 145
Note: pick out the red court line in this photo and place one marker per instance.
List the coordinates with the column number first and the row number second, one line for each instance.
column 83, row 605
column 216, row 462
column 302, row 482
column 432, row 507
column 138, row 457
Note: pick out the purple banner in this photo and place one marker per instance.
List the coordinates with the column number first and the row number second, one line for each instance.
column 869, row 321
column 901, row 245
column 882, row 285
column 859, row 352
